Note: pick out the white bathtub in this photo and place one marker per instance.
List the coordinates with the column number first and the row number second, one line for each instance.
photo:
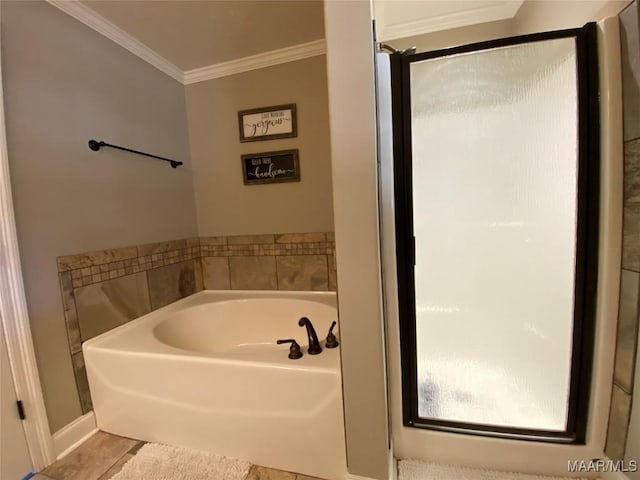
column 205, row 372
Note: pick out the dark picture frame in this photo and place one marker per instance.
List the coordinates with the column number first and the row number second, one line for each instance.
column 271, row 167
column 268, row 123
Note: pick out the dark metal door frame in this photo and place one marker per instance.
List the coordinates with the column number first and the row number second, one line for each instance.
column 586, row 235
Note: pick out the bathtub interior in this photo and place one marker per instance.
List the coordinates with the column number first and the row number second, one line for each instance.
column 212, row 328
column 225, row 322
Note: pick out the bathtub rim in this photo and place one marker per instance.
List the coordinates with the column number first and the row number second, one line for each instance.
column 152, row 347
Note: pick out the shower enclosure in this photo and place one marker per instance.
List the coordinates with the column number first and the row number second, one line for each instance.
column 496, row 222
column 494, row 195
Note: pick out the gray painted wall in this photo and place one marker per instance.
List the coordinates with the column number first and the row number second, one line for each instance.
column 65, row 84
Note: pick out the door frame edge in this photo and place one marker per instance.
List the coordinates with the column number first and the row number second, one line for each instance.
column 15, row 319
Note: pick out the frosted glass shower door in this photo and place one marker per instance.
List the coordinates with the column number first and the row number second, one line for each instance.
column 494, row 177
column 494, row 195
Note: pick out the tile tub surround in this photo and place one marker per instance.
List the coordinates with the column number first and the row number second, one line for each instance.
column 618, row 424
column 105, row 289
column 300, row 261
column 109, row 304
column 631, row 214
column 628, row 314
column 95, row 267
column 627, row 330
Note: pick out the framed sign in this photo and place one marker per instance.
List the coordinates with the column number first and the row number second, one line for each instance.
column 268, row 123
column 270, row 167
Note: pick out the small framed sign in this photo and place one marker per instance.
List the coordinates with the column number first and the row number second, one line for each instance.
column 268, row 123
column 270, row 167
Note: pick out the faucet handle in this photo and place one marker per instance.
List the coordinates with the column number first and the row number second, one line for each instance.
column 332, row 341
column 294, row 349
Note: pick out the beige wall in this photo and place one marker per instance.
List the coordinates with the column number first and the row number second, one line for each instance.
column 456, row 36
column 225, row 205
column 532, row 17
column 352, row 107
column 539, row 16
column 65, row 84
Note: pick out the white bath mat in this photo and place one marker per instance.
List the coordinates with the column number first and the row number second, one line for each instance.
column 417, row 470
column 163, row 462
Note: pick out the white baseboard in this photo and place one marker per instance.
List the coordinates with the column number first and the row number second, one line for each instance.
column 71, row 436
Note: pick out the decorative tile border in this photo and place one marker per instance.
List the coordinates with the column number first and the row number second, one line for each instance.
column 268, row 245
column 95, row 267
column 103, row 265
column 297, row 261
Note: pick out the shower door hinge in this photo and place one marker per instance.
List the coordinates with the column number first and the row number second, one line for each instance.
column 21, row 410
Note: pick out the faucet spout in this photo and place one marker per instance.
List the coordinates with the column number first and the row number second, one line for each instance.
column 314, row 344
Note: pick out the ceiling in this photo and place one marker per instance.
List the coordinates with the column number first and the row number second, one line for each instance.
column 192, row 34
column 195, row 40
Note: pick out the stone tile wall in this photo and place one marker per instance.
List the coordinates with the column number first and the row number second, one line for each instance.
column 103, row 290
column 302, row 261
column 627, row 336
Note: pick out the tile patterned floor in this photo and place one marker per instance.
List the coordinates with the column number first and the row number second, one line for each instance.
column 103, row 455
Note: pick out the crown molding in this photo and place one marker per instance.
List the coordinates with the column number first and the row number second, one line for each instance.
column 103, row 26
column 488, row 12
column 254, row 62
column 114, row 33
